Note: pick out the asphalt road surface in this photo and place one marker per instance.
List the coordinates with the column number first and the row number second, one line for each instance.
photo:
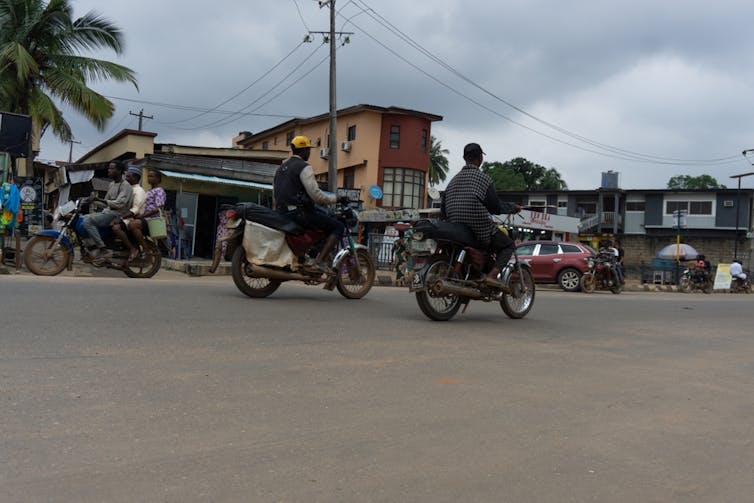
column 182, row 389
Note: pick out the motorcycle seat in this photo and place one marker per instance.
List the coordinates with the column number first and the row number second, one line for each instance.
column 448, row 231
column 269, row 218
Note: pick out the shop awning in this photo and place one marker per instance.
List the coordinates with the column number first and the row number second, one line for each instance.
column 214, row 179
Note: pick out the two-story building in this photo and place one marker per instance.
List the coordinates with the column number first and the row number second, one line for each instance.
column 717, row 222
column 384, row 146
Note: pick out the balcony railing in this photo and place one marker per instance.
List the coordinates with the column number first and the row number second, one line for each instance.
column 604, row 218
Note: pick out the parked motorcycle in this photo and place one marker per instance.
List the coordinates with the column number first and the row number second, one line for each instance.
column 448, row 271
column 51, row 251
column 738, row 285
column 602, row 274
column 266, row 248
column 692, row 279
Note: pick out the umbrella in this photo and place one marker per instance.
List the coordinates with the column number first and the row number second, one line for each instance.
column 685, row 252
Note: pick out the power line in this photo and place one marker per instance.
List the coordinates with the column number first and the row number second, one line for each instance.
column 192, row 108
column 619, row 152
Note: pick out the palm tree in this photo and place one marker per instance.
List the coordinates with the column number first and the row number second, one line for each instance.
column 40, row 63
column 438, row 162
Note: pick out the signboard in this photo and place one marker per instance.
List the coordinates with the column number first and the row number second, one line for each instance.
column 31, row 190
column 546, row 221
column 722, row 277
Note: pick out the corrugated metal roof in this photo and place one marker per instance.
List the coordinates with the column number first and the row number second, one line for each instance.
column 214, row 179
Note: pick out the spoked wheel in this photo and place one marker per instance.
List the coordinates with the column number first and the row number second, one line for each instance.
column 44, row 257
column 684, row 285
column 356, row 275
column 519, row 302
column 588, row 283
column 708, row 287
column 146, row 265
column 617, row 286
column 436, row 307
column 253, row 287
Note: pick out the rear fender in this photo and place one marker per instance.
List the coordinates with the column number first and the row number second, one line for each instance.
column 342, row 254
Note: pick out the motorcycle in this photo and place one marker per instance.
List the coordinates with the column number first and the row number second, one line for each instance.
column 693, row 279
column 51, row 251
column 448, row 269
column 738, row 285
column 602, row 274
column 266, row 248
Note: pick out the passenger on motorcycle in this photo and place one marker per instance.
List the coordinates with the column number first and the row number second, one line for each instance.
column 295, row 193
column 155, row 204
column 138, row 204
column 470, row 199
column 117, row 201
column 736, row 270
column 702, row 269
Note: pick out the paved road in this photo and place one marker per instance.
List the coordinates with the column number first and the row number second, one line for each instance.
column 183, row 390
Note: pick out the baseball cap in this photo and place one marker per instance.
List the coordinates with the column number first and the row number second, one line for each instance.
column 472, row 149
column 301, row 142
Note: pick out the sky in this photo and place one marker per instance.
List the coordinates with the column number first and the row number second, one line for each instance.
column 644, row 88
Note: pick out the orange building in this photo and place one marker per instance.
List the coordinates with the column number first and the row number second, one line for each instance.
column 388, row 147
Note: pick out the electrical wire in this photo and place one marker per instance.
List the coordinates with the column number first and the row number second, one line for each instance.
column 194, row 108
column 620, row 153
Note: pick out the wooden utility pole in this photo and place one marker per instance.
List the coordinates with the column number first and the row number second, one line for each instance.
column 70, row 150
column 141, row 116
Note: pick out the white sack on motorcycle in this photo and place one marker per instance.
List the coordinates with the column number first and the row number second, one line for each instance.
column 265, row 246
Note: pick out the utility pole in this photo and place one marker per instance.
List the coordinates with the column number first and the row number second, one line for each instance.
column 332, row 167
column 141, row 116
column 738, row 202
column 70, row 150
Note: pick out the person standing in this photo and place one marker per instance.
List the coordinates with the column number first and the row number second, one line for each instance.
column 117, row 201
column 470, row 199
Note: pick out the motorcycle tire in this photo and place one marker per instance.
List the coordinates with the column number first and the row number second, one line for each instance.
column 147, row 265
column 588, row 283
column 616, row 287
column 437, row 308
column 519, row 302
column 356, row 275
column 708, row 287
column 45, row 258
column 253, row 287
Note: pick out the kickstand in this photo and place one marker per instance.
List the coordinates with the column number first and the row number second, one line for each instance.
column 465, row 306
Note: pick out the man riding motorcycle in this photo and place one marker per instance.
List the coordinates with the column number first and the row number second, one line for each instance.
column 295, row 193
column 118, row 201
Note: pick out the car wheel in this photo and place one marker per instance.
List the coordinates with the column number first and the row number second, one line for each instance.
column 569, row 279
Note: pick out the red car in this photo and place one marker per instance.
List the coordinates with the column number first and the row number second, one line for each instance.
column 561, row 262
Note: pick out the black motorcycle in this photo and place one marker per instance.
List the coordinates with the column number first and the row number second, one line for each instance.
column 602, row 274
column 695, row 279
column 448, row 270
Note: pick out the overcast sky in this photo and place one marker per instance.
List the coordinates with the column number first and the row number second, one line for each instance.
column 645, row 88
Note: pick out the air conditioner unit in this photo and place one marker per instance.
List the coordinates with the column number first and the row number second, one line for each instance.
column 727, row 204
column 345, row 146
column 323, row 153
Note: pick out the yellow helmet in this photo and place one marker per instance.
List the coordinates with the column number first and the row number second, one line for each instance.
column 301, row 142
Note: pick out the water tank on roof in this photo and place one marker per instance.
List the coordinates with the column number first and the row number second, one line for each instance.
column 610, row 180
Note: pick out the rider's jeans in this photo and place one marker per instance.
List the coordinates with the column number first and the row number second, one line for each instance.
column 94, row 220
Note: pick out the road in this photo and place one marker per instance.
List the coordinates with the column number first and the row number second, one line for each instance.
column 181, row 389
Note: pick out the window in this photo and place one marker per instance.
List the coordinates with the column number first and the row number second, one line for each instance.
column 351, row 133
column 548, row 249
column 288, row 138
column 526, row 249
column 395, row 137
column 349, row 177
column 402, row 188
column 424, row 140
column 265, row 145
column 562, row 204
column 691, row 207
column 570, row 249
column 539, row 205
column 634, row 205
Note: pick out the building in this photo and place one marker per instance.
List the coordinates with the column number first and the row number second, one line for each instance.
column 388, row 147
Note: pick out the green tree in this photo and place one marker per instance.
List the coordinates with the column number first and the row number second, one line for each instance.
column 41, row 63
column 522, row 174
column 438, row 162
column 694, row 182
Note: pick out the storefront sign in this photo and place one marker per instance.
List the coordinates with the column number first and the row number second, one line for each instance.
column 31, row 190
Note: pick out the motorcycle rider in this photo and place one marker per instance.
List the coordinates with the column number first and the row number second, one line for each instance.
column 470, row 199
column 295, row 193
column 118, row 201
column 138, row 204
column 736, row 270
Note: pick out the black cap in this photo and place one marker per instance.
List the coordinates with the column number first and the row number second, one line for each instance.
column 472, row 150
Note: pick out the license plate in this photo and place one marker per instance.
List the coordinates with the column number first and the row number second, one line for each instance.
column 417, row 280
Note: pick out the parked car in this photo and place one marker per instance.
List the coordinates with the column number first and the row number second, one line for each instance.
column 561, row 262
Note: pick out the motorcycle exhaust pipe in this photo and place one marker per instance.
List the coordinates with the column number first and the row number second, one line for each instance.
column 445, row 287
column 260, row 271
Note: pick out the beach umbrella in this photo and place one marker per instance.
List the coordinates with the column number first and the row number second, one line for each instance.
column 684, row 251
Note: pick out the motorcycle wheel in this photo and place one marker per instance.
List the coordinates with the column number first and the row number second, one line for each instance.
column 519, row 302
column 684, row 285
column 253, row 287
column 145, row 267
column 45, row 258
column 356, row 275
column 708, row 287
column 588, row 283
column 616, row 287
column 438, row 308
